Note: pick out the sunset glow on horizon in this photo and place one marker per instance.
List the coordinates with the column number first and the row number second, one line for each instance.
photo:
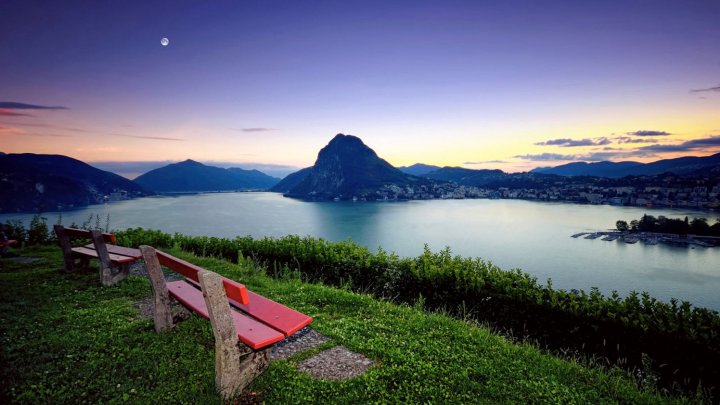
column 486, row 85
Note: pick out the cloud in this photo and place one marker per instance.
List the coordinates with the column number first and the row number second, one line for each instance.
column 643, row 132
column 716, row 88
column 481, row 162
column 691, row 145
column 154, row 138
column 627, row 139
column 545, row 157
column 253, row 129
column 11, row 131
column 11, row 105
column 568, row 143
column 4, row 112
column 87, row 131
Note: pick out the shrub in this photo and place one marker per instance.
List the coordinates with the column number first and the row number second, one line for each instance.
column 683, row 339
column 134, row 237
column 38, row 233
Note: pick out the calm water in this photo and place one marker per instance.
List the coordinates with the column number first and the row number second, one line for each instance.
column 532, row 236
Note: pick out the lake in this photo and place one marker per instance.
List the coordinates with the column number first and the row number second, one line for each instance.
column 531, row 236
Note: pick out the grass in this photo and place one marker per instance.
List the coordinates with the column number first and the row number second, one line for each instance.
column 65, row 339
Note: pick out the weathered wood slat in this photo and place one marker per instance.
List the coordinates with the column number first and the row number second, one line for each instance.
column 233, row 289
column 83, row 233
column 119, row 250
column 93, row 253
column 276, row 315
column 253, row 333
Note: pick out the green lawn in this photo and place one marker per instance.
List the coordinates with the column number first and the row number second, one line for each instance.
column 67, row 340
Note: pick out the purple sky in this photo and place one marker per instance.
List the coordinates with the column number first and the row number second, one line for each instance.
column 480, row 84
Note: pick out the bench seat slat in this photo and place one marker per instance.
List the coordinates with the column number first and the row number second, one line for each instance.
column 119, row 250
column 280, row 317
column 250, row 331
column 93, row 253
column 276, row 315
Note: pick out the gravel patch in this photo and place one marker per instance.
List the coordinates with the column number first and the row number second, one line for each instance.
column 22, row 259
column 337, row 363
column 138, row 269
column 304, row 339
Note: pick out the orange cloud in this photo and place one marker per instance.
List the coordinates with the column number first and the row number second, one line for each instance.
column 4, row 112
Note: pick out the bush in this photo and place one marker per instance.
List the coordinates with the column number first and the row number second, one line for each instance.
column 14, row 229
column 38, row 233
column 683, row 339
column 134, row 237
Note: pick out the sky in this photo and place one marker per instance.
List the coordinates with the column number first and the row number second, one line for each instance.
column 265, row 84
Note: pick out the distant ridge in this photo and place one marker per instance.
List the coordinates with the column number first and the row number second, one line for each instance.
column 291, row 180
column 680, row 166
column 35, row 182
column 418, row 169
column 346, row 168
column 192, row 176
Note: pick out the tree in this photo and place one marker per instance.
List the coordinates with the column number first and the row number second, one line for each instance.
column 699, row 226
column 621, row 225
column 634, row 225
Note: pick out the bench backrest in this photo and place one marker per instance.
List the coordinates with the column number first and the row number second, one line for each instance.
column 85, row 234
column 233, row 289
column 64, row 235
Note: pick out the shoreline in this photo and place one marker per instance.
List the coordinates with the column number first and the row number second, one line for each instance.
column 715, row 211
column 653, row 238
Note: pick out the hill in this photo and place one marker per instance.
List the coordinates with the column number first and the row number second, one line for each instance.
column 192, row 176
column 291, row 180
column 418, row 169
column 347, row 168
column 32, row 182
column 418, row 356
column 254, row 178
column 680, row 166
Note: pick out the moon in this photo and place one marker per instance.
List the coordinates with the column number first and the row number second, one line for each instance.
column 164, row 42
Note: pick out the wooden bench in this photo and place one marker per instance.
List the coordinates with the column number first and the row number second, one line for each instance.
column 4, row 245
column 245, row 324
column 7, row 243
column 114, row 261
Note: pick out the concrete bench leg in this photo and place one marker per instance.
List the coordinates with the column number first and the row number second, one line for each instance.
column 236, row 365
column 162, row 315
column 111, row 275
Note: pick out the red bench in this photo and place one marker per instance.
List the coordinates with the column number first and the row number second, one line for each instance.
column 245, row 324
column 114, row 261
column 8, row 242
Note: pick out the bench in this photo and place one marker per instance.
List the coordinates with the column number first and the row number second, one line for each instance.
column 7, row 243
column 114, row 261
column 245, row 324
column 4, row 244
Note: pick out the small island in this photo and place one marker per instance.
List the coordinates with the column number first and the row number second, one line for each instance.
column 672, row 231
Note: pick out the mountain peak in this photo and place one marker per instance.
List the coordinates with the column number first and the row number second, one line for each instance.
column 346, row 167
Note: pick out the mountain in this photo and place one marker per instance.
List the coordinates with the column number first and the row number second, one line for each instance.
column 291, row 180
column 418, row 169
column 347, row 168
column 192, row 176
column 31, row 182
column 254, row 178
column 680, row 166
column 466, row 177
column 599, row 169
